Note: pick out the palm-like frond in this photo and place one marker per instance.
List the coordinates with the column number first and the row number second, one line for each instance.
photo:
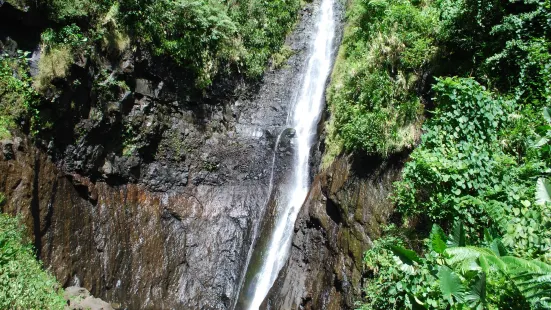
column 532, row 277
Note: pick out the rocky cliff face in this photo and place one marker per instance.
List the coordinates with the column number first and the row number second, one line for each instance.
column 345, row 209
column 151, row 197
column 150, row 194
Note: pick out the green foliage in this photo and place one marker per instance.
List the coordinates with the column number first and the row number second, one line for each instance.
column 543, row 137
column 206, row 37
column 387, row 47
column 57, row 55
column 464, row 170
column 211, row 37
column 456, row 277
column 110, row 32
column 108, row 87
column 23, row 283
column 279, row 58
column 196, row 34
column 72, row 10
column 262, row 26
column 461, row 169
column 528, row 230
column 482, row 150
column 17, row 97
column 70, row 35
column 396, row 284
column 505, row 43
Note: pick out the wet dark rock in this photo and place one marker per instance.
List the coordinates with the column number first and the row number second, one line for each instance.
column 129, row 245
column 346, row 208
column 7, row 150
column 162, row 177
column 286, row 140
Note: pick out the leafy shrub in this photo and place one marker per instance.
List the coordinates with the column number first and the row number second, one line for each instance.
column 17, row 97
column 480, row 154
column 505, row 44
column 23, row 283
column 460, row 169
column 70, row 35
column 394, row 285
column 71, row 10
column 209, row 37
column 543, row 137
column 206, row 37
column 113, row 37
column 262, row 27
column 453, row 275
column 279, row 58
column 373, row 97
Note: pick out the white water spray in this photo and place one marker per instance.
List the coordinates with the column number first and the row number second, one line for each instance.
column 305, row 117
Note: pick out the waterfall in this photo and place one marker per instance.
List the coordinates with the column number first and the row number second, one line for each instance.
column 305, row 116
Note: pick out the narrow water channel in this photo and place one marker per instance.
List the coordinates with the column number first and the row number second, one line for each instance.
column 272, row 250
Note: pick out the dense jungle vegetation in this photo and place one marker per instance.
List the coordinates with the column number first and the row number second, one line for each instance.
column 23, row 283
column 474, row 207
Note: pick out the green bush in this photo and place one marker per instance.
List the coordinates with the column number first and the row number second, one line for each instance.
column 69, row 35
column 71, row 10
column 373, row 95
column 392, row 284
column 262, row 27
column 206, row 37
column 461, row 169
column 481, row 152
column 17, row 97
column 54, row 64
column 209, row 37
column 23, row 282
column 505, row 44
column 453, row 274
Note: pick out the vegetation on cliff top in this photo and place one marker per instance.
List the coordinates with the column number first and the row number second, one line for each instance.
column 206, row 37
column 387, row 48
column 480, row 72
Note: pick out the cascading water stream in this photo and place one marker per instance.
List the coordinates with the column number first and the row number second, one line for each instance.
column 305, row 117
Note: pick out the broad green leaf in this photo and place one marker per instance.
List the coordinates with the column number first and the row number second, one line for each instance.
column 547, row 114
column 406, row 268
column 450, row 284
column 476, row 297
column 459, row 254
column 498, row 248
column 437, row 239
column 543, row 191
column 516, row 265
column 405, row 255
column 543, row 141
column 458, row 235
